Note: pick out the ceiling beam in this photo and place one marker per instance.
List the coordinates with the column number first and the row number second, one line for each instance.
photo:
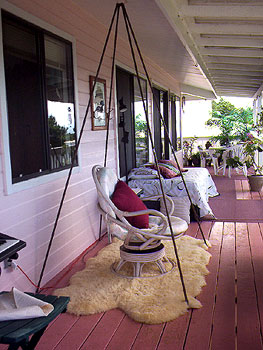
column 235, row 94
column 232, row 41
column 237, row 88
column 194, row 91
column 227, row 11
column 225, row 29
column 231, row 66
column 236, row 84
column 234, row 60
column 234, row 74
column 259, row 91
column 170, row 10
column 231, row 52
column 237, row 78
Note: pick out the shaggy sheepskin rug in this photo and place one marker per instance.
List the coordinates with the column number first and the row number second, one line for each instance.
column 148, row 300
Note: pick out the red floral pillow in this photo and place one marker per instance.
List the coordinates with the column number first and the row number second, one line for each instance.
column 165, row 172
column 125, row 199
column 173, row 163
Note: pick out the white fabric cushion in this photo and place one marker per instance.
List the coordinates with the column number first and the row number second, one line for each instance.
column 178, row 226
column 181, row 208
column 108, row 180
column 143, row 173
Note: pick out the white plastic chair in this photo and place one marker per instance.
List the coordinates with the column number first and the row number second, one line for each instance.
column 212, row 155
column 235, row 151
column 140, row 245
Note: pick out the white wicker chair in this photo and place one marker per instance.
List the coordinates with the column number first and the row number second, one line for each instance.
column 140, row 245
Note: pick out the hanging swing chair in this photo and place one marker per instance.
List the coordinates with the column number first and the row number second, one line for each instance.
column 168, row 222
column 141, row 245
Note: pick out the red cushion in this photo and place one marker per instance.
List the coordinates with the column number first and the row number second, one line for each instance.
column 172, row 162
column 125, row 199
column 165, row 172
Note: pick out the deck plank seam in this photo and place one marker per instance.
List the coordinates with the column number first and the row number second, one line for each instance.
column 67, row 332
column 188, row 327
column 245, row 194
column 91, row 331
column 135, row 338
column 216, row 287
column 255, row 286
column 116, row 329
column 235, row 233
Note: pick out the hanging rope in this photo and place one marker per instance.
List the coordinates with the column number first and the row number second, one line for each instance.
column 109, row 105
column 164, row 124
column 154, row 152
column 76, row 150
column 129, row 32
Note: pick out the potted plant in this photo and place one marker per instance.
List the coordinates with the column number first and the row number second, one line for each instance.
column 188, row 147
column 234, row 162
column 251, row 149
column 196, row 159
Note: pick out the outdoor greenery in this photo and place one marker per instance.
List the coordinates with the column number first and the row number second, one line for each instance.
column 251, row 147
column 188, row 149
column 141, row 140
column 57, row 133
column 234, row 123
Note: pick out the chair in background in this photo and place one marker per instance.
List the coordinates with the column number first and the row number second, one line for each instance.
column 234, row 152
column 212, row 155
column 141, row 245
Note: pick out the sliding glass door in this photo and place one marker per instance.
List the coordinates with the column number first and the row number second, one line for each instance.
column 132, row 128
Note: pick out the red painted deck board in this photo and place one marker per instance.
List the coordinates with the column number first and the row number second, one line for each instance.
column 174, row 333
column 198, row 336
column 256, row 244
column 248, row 325
column 223, row 335
column 239, row 189
column 104, row 330
column 148, row 337
column 125, row 335
column 224, row 322
column 83, row 327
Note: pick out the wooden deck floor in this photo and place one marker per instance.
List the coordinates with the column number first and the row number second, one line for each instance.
column 231, row 316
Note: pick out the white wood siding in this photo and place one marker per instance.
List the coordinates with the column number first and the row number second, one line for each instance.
column 30, row 214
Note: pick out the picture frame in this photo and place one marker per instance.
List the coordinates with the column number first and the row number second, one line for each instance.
column 98, row 104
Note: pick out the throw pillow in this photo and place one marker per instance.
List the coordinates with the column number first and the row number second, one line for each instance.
column 126, row 200
column 142, row 173
column 165, row 172
column 171, row 162
column 171, row 167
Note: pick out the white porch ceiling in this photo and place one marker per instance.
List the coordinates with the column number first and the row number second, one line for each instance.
column 157, row 40
column 207, row 45
column 226, row 39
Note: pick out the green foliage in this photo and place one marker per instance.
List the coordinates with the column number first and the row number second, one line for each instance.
column 57, row 133
column 234, row 123
column 188, row 147
column 141, row 133
column 234, row 162
column 251, row 147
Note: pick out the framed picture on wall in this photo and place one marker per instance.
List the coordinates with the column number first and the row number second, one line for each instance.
column 98, row 104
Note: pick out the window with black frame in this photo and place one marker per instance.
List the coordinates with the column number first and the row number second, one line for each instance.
column 175, row 121
column 160, row 105
column 40, row 99
column 140, row 124
column 132, row 127
column 178, row 123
